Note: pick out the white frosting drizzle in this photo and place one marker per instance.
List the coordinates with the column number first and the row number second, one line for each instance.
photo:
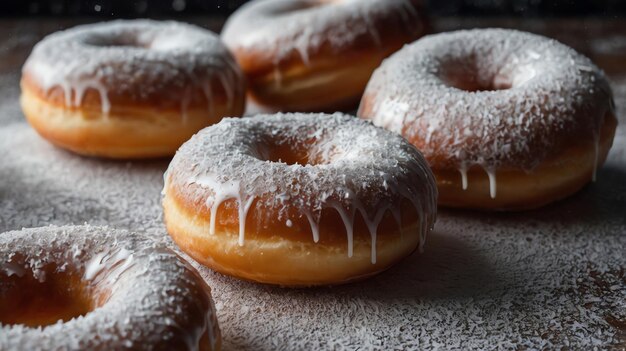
column 315, row 229
column 356, row 168
column 491, row 173
column 281, row 27
column 135, row 59
column 154, row 298
column 463, row 171
column 538, row 93
column 117, row 261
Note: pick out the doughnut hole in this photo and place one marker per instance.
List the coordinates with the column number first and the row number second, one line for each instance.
column 285, row 150
column 302, row 6
column 57, row 295
column 165, row 42
column 120, row 41
column 474, row 75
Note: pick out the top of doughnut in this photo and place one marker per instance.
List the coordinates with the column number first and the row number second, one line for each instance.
column 523, row 96
column 114, row 56
column 149, row 286
column 276, row 28
column 348, row 161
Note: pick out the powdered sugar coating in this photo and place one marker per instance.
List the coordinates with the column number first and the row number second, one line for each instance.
column 156, row 299
column 352, row 166
column 485, row 281
column 135, row 59
column 280, row 27
column 540, row 95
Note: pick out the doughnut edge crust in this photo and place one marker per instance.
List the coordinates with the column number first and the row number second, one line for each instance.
column 364, row 200
column 507, row 120
column 122, row 271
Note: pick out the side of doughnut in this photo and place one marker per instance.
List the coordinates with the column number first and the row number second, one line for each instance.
column 272, row 255
column 507, row 120
column 129, row 130
column 129, row 88
column 298, row 199
column 317, row 55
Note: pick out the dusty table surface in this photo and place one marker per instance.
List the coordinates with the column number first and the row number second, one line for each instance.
column 549, row 278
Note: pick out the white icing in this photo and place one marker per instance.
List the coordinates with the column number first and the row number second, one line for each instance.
column 153, row 297
column 135, row 59
column 463, row 171
column 538, row 93
column 12, row 269
column 352, row 167
column 315, row 227
column 282, row 27
column 117, row 261
column 491, row 173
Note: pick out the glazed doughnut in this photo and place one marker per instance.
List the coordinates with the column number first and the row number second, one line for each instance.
column 96, row 288
column 129, row 89
column 507, row 120
column 298, row 200
column 317, row 55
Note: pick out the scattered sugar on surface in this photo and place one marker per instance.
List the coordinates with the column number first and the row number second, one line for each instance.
column 542, row 279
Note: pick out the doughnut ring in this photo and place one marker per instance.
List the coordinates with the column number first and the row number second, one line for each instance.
column 507, row 120
column 96, row 288
column 317, row 55
column 298, row 199
column 129, row 89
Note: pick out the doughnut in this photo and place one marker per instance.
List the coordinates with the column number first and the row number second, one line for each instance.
column 129, row 89
column 96, row 288
column 507, row 120
column 317, row 55
column 298, row 199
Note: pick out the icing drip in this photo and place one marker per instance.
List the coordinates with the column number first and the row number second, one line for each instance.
column 106, row 260
column 225, row 191
column 315, row 228
column 352, row 168
column 12, row 269
column 138, row 59
column 463, row 172
column 348, row 220
column 526, row 94
column 491, row 173
column 115, row 262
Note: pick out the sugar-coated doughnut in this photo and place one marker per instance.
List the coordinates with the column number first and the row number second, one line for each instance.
column 317, row 55
column 507, row 120
column 129, row 89
column 297, row 199
column 96, row 288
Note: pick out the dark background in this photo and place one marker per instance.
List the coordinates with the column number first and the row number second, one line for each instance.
column 136, row 8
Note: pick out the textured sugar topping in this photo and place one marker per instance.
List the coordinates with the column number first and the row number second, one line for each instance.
column 280, row 27
column 347, row 164
column 134, row 58
column 492, row 98
column 151, row 297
